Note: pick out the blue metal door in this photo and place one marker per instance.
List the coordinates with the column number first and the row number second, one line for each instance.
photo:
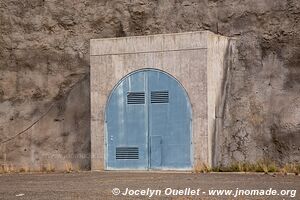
column 127, row 124
column 148, row 123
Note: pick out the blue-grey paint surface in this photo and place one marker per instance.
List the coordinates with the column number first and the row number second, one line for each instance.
column 148, row 123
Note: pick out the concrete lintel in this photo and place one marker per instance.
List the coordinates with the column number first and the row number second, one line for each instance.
column 149, row 43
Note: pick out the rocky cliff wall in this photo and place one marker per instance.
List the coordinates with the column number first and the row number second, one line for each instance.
column 44, row 70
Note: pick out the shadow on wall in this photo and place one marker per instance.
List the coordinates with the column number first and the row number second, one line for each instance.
column 57, row 135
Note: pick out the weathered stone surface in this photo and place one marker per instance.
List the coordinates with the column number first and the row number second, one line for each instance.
column 44, row 52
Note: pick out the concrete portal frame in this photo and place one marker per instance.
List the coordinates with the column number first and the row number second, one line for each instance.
column 198, row 60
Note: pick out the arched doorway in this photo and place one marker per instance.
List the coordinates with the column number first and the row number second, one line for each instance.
column 148, row 123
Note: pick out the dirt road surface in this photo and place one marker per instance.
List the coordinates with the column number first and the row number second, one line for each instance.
column 99, row 185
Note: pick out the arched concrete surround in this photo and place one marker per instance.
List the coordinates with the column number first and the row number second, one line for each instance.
column 198, row 60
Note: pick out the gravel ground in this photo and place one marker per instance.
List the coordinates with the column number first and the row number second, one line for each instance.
column 99, row 185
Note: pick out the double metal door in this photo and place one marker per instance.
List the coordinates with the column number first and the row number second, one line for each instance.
column 148, row 123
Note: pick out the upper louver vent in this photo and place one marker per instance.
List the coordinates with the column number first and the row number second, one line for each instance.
column 136, row 98
column 159, row 97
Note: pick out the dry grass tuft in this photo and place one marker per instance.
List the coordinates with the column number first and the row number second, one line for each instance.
column 50, row 168
column 260, row 166
column 291, row 168
column 47, row 168
column 2, row 171
column 69, row 167
column 24, row 169
column 203, row 168
column 265, row 166
column 7, row 168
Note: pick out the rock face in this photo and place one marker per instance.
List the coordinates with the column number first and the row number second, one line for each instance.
column 44, row 73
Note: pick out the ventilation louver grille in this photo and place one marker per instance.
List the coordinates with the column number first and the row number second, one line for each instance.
column 136, row 98
column 127, row 153
column 159, row 97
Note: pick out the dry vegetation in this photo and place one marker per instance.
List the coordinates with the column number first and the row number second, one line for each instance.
column 263, row 166
column 260, row 166
column 47, row 168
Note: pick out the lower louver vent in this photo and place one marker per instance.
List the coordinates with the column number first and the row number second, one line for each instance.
column 127, row 153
